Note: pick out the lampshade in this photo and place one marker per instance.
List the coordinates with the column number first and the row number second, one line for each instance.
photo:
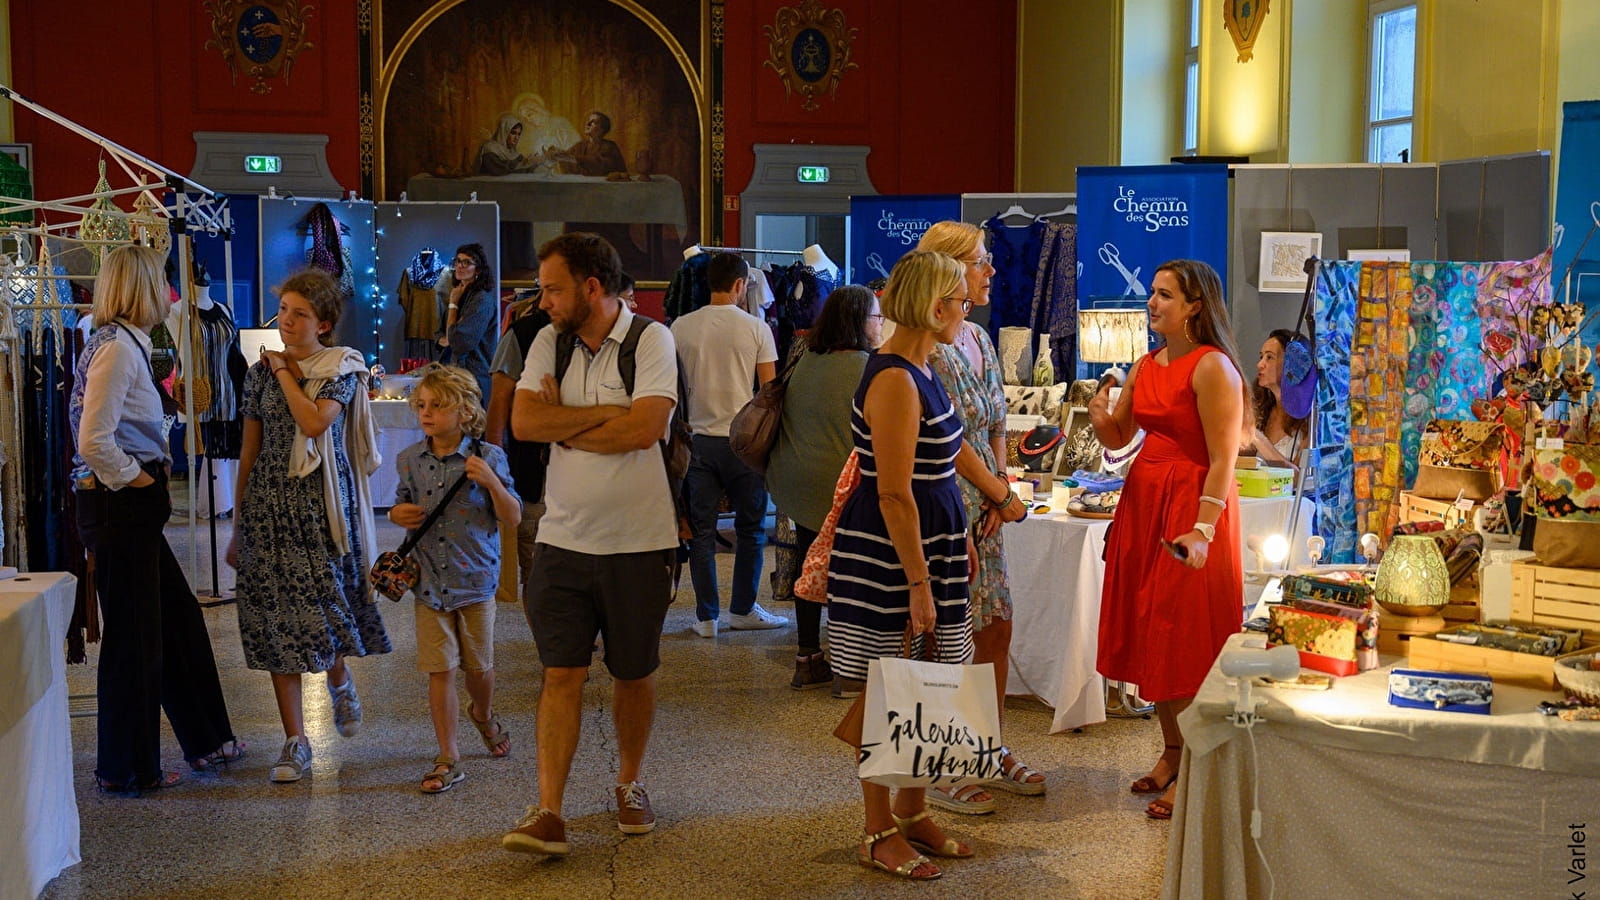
column 1412, row 579
column 1112, row 335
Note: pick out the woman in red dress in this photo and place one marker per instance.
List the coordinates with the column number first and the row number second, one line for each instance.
column 1164, row 619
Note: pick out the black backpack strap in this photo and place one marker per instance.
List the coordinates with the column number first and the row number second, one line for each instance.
column 433, row 516
column 627, row 354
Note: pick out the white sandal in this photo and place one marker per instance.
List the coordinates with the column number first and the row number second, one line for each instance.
column 959, row 800
column 1015, row 779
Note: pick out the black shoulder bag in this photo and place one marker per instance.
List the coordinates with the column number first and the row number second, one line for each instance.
column 395, row 572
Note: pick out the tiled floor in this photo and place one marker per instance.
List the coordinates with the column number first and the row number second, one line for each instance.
column 754, row 796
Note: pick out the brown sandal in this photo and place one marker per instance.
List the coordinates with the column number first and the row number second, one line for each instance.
column 445, row 774
column 1149, row 784
column 1159, row 808
column 495, row 737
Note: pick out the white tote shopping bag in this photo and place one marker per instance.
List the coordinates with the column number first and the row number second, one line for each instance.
column 928, row 723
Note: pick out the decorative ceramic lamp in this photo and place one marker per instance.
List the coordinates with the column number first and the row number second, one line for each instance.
column 1116, row 336
column 1412, row 579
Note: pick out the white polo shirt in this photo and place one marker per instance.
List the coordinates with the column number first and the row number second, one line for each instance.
column 719, row 347
column 605, row 503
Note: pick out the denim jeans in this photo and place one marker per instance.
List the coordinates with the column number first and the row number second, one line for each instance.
column 714, row 471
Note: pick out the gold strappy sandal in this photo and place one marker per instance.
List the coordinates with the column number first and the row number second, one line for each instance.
column 907, row 869
column 950, row 849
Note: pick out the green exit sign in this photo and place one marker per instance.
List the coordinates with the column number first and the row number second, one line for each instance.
column 811, row 174
column 264, row 165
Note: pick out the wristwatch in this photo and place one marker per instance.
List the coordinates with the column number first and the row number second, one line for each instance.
column 1209, row 532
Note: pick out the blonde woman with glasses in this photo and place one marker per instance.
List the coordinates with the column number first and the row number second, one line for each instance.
column 900, row 554
column 969, row 369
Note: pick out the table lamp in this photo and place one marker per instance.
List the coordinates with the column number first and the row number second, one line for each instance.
column 1116, row 336
column 1412, row 585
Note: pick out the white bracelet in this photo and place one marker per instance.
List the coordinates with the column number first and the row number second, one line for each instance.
column 455, row 306
column 1209, row 532
column 1220, row 504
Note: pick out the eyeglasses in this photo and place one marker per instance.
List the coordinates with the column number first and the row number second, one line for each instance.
column 464, row 262
column 966, row 303
column 985, row 260
column 878, row 316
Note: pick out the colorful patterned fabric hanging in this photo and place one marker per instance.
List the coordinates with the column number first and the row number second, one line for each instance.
column 1446, row 370
column 1377, row 391
column 1335, row 310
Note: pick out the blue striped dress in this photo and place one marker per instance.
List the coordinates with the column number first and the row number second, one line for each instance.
column 868, row 601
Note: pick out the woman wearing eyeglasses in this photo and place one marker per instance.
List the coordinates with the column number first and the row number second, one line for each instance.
column 900, row 554
column 969, row 369
column 471, row 309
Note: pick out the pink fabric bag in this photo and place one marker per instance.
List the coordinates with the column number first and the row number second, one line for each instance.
column 813, row 581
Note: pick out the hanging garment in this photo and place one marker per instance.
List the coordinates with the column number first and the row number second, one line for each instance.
column 328, row 250
column 1446, row 369
column 688, row 290
column 421, row 307
column 49, row 504
column 1055, row 297
column 426, row 267
column 1378, row 358
column 1334, row 308
column 222, row 424
column 1016, row 251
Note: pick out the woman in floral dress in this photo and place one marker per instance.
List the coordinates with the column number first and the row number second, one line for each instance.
column 305, row 519
column 970, row 372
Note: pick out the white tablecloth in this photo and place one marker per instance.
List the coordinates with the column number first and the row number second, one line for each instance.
column 1055, row 571
column 1359, row 798
column 397, row 429
column 38, row 808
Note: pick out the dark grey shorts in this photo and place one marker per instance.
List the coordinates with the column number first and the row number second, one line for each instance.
column 623, row 597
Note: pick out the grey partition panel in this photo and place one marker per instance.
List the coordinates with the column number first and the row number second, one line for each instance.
column 1495, row 208
column 403, row 229
column 282, row 249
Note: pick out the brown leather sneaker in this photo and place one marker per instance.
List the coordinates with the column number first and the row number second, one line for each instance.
column 634, row 815
column 538, row 831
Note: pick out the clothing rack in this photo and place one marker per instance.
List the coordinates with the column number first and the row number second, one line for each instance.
column 749, row 250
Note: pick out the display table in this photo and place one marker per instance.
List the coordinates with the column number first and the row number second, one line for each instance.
column 38, row 808
column 1361, row 798
column 1054, row 567
column 396, row 424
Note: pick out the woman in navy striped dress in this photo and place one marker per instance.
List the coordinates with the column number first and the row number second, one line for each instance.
column 900, row 553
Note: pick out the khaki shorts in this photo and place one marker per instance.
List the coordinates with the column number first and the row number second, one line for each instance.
column 461, row 638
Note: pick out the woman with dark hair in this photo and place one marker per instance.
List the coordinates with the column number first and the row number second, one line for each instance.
column 1167, row 607
column 814, row 442
column 1280, row 437
column 472, row 307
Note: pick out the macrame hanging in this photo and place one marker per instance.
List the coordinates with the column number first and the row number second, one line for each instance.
column 104, row 221
column 147, row 227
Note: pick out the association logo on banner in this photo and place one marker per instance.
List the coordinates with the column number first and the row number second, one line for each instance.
column 1134, row 218
column 884, row 228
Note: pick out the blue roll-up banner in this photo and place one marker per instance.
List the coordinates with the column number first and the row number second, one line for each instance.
column 885, row 227
column 1578, row 211
column 1134, row 218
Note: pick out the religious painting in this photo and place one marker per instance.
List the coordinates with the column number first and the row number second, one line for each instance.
column 571, row 116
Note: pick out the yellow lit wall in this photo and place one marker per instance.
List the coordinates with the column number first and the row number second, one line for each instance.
column 1327, row 80
column 1153, row 37
column 1487, row 78
column 1241, row 102
column 1068, row 90
column 1579, row 78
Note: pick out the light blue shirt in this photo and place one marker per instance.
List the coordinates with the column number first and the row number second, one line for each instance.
column 460, row 554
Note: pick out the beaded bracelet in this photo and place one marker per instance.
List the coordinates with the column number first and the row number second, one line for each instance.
column 912, row 584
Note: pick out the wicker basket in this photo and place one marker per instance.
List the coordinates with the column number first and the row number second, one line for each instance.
column 1573, row 674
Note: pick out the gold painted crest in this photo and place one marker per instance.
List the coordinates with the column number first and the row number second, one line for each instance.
column 809, row 48
column 260, row 37
column 1243, row 20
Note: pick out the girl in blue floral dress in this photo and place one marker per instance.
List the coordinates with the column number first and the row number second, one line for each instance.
column 305, row 520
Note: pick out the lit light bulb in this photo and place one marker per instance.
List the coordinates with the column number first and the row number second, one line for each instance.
column 1275, row 549
column 1314, row 547
column 1369, row 547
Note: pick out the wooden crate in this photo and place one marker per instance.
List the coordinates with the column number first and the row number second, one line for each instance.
column 1559, row 598
column 1421, row 509
column 1463, row 605
column 1525, row 669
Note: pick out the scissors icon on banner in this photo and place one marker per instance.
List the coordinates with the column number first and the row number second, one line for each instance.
column 876, row 262
column 1111, row 257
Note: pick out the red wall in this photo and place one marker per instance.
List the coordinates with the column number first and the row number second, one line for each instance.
column 934, row 97
column 138, row 73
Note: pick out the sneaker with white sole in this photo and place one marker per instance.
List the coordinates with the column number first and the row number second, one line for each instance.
column 346, row 706
column 756, row 619
column 706, row 628
column 292, row 762
column 538, row 831
column 634, row 815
